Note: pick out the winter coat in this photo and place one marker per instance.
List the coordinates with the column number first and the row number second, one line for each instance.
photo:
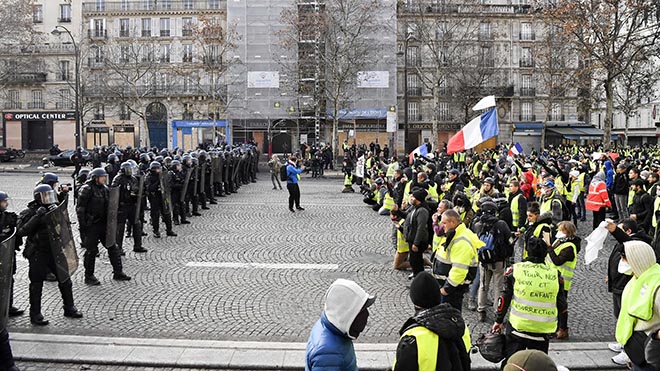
column 616, row 281
column 329, row 349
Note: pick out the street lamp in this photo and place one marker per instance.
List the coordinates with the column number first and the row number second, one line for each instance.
column 406, row 134
column 57, row 32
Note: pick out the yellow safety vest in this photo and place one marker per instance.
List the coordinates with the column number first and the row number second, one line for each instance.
column 388, row 202
column 631, row 195
column 567, row 269
column 581, row 185
column 475, row 169
column 534, row 302
column 433, row 193
column 427, row 346
column 348, row 180
column 391, row 168
column 546, row 206
column 401, row 243
column 460, row 257
column 437, row 242
column 515, row 213
column 656, row 207
column 559, row 186
column 637, row 302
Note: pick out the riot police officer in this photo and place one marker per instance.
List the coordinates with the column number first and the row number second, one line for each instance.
column 92, row 210
column 8, row 221
column 157, row 200
column 192, row 197
column 53, row 181
column 177, row 183
column 80, row 181
column 129, row 192
column 112, row 168
column 33, row 225
column 78, row 160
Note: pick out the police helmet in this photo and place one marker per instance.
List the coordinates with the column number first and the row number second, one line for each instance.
column 195, row 161
column 112, row 158
column 127, row 168
column 44, row 194
column 177, row 157
column 176, row 163
column 82, row 175
column 491, row 347
column 489, row 207
column 163, row 152
column 186, row 159
column 97, row 173
column 159, row 159
column 132, row 162
column 168, row 160
column 490, row 181
column 49, row 178
column 144, row 157
column 155, row 165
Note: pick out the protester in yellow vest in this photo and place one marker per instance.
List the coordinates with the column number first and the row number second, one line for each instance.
column 539, row 226
column 640, row 304
column 562, row 255
column 436, row 337
column 535, row 293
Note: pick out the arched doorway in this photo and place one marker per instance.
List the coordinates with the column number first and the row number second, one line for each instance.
column 156, row 115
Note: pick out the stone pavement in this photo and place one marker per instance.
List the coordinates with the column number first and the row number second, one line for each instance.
column 172, row 296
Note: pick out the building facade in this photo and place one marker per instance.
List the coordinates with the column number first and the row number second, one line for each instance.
column 38, row 99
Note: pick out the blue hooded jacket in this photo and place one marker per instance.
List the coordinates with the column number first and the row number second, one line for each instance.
column 328, row 349
column 609, row 175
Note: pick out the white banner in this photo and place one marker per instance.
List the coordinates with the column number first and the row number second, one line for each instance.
column 391, row 122
column 359, row 167
column 263, row 79
column 373, row 79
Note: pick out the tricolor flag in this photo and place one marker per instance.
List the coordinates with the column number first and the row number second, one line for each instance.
column 477, row 131
column 421, row 150
column 516, row 149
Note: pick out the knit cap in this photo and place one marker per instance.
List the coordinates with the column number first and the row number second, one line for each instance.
column 530, row 360
column 640, row 256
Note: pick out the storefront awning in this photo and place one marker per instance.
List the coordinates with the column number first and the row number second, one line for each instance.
column 577, row 133
column 528, row 127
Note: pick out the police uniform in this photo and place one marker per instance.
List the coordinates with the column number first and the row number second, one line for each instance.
column 128, row 200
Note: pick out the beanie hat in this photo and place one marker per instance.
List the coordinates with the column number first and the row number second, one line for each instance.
column 530, row 360
column 640, row 256
column 536, row 250
column 425, row 291
column 420, row 194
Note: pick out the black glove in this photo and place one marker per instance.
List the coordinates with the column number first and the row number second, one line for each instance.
column 41, row 211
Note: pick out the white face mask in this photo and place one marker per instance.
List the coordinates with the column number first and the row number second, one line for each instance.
column 560, row 235
column 543, row 191
column 624, row 268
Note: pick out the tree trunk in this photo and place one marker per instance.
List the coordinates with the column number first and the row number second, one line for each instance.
column 609, row 97
column 436, row 114
column 625, row 135
column 545, row 127
column 335, row 135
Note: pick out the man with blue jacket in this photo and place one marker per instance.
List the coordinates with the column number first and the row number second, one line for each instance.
column 330, row 345
column 292, row 172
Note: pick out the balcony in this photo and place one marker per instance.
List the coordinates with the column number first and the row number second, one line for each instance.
column 527, row 92
column 527, row 36
column 152, row 6
column 164, row 33
column 97, row 33
column 98, row 117
column 125, row 116
column 414, row 92
column 487, row 63
column 93, row 62
column 526, row 117
column 36, row 105
column 57, row 49
column 428, row 7
column 155, row 91
column 64, row 105
column 554, row 117
column 527, row 63
column 187, row 32
column 415, row 117
column 13, row 105
column 25, row 78
column 64, row 19
column 558, row 92
column 146, row 33
column 124, row 33
column 485, row 36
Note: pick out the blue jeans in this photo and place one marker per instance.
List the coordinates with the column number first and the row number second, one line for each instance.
column 474, row 286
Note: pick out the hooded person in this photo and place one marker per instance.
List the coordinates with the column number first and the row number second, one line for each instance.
column 436, row 337
column 640, row 303
column 330, row 344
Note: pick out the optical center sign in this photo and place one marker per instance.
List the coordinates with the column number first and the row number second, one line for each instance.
column 18, row 116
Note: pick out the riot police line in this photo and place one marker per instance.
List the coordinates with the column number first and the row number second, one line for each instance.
column 172, row 186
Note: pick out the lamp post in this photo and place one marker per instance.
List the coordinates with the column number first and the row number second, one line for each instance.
column 406, row 134
column 56, row 32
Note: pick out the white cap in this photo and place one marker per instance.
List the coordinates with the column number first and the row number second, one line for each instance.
column 574, row 173
column 344, row 301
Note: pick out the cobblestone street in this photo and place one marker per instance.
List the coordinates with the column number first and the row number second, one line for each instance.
column 173, row 296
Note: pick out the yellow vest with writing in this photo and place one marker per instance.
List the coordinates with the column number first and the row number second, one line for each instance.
column 534, row 303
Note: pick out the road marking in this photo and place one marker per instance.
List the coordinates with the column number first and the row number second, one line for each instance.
column 295, row 266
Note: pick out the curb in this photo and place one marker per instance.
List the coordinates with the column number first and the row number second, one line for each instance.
column 229, row 355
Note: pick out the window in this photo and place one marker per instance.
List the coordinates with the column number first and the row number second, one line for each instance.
column 187, row 26
column 487, row 59
column 64, row 101
column 37, row 13
column 414, row 88
column 412, row 30
column 125, row 5
column 214, row 4
column 14, row 98
column 443, row 111
column 147, row 54
column 165, row 4
column 165, row 27
column 124, row 112
column 188, row 84
column 64, row 71
column 65, row 13
column 147, row 4
column 165, row 50
column 526, row 33
column 188, row 53
column 441, row 31
column 526, row 84
column 526, row 59
column 37, row 99
column 187, row 4
column 99, row 111
column 527, row 110
column 124, row 25
column 413, row 111
column 187, row 111
column 124, row 54
column 413, row 56
column 555, row 114
column 100, row 5
column 146, row 27
column 99, row 28
column 214, row 111
column 484, row 31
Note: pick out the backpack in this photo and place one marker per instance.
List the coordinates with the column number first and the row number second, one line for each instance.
column 495, row 248
column 283, row 173
column 566, row 213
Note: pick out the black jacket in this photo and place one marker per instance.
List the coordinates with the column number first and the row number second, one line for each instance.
column 92, row 207
column 653, row 350
column 621, row 185
column 616, row 281
column 177, row 179
column 416, row 228
column 501, row 234
column 448, row 324
column 32, row 224
column 152, row 183
column 128, row 189
column 642, row 207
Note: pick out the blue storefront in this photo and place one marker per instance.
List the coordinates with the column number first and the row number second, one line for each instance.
column 188, row 134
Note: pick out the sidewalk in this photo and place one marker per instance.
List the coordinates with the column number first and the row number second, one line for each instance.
column 245, row 355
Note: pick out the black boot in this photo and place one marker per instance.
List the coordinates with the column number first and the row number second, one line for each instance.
column 36, row 318
column 70, row 309
column 89, row 262
column 117, row 267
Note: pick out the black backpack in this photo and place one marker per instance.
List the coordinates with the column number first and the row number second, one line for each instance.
column 566, row 214
column 496, row 248
column 283, row 173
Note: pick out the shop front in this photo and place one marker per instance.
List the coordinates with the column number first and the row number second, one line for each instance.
column 39, row 130
column 189, row 134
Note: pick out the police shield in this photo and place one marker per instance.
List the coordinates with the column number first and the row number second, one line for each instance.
column 186, row 183
column 165, row 192
column 216, row 170
column 6, row 272
column 202, row 178
column 140, row 195
column 62, row 244
column 195, row 169
column 111, row 222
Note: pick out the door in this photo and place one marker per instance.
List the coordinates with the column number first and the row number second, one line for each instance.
column 39, row 135
column 157, row 125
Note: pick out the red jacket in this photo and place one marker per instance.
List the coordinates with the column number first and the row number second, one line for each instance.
column 597, row 197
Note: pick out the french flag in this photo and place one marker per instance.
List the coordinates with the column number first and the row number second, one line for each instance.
column 477, row 131
column 421, row 150
column 515, row 150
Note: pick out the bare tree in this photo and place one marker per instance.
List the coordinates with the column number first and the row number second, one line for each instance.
column 336, row 36
column 612, row 35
